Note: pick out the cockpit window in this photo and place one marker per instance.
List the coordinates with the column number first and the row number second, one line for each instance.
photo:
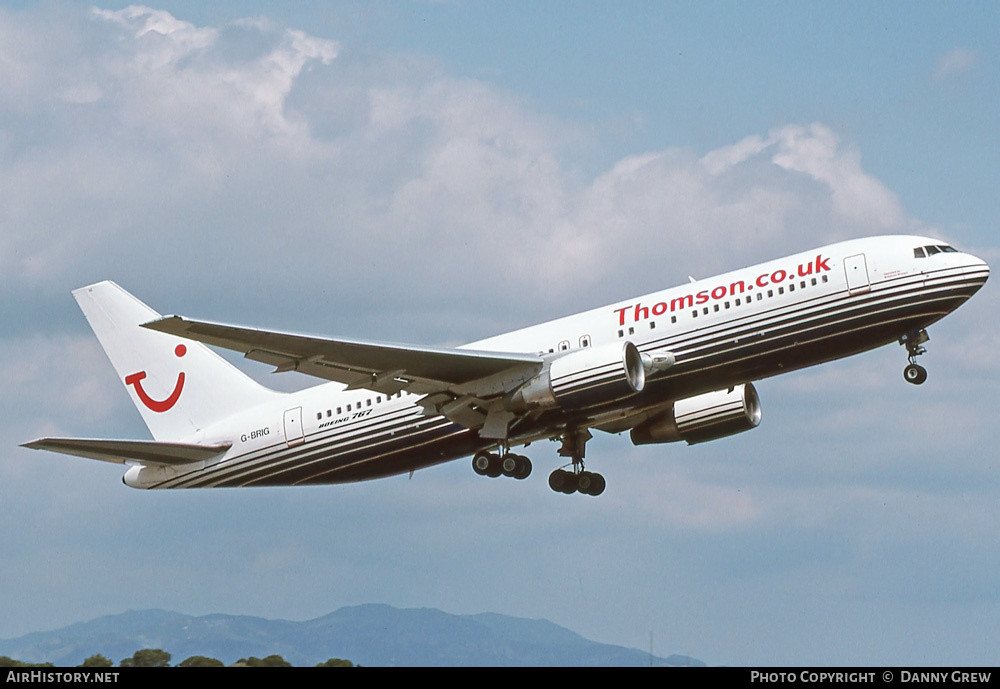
column 925, row 251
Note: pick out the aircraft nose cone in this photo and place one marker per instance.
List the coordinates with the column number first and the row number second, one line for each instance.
column 977, row 270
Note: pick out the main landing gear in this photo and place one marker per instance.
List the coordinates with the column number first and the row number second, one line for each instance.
column 914, row 372
column 508, row 464
column 576, row 480
column 562, row 480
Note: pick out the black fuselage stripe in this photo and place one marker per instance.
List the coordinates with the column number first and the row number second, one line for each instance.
column 346, row 447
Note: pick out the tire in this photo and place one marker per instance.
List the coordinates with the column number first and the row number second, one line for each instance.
column 915, row 374
column 495, row 468
column 562, row 481
column 598, row 485
column 509, row 464
column 481, row 463
column 523, row 468
column 557, row 479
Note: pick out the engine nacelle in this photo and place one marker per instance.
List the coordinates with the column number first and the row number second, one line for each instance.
column 581, row 378
column 703, row 418
column 149, row 476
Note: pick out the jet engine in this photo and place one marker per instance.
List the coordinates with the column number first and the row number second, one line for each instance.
column 142, row 476
column 587, row 376
column 702, row 418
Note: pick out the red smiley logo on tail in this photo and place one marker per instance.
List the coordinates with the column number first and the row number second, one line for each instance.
column 158, row 406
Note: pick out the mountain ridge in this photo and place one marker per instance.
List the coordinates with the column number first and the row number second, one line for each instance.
column 372, row 634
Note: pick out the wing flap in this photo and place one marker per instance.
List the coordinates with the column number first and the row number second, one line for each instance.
column 149, row 452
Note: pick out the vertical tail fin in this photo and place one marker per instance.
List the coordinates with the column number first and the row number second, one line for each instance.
column 178, row 386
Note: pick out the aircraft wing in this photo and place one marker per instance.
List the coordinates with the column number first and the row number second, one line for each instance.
column 462, row 384
column 150, row 452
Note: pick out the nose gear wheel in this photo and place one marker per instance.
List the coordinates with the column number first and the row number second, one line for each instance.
column 914, row 372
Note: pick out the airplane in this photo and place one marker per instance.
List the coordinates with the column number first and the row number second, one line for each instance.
column 678, row 364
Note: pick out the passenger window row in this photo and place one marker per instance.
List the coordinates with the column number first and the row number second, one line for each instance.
column 357, row 406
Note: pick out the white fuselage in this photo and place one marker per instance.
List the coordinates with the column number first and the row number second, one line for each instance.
column 723, row 331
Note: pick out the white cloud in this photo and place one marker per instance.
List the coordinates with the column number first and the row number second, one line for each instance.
column 857, row 195
column 64, row 378
column 179, row 38
column 256, row 174
column 955, row 62
column 727, row 157
column 212, row 149
column 172, row 69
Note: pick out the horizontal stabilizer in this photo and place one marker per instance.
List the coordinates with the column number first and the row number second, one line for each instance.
column 121, row 451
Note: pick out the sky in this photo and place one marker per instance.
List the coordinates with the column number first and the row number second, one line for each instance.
column 440, row 172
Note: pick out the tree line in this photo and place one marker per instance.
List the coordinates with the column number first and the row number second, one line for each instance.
column 155, row 657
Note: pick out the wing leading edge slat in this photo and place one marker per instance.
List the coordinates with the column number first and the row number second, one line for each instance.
column 358, row 364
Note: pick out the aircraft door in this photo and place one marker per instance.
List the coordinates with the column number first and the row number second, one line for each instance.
column 294, row 435
column 857, row 274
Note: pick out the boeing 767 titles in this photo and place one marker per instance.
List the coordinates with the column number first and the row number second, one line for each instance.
column 673, row 365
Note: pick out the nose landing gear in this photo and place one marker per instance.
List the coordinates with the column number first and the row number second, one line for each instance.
column 914, row 372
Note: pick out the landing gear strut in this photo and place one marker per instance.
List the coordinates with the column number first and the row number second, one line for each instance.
column 576, row 480
column 914, row 372
column 563, row 480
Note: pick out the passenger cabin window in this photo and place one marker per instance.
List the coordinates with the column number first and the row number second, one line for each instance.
column 564, row 345
column 585, row 341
